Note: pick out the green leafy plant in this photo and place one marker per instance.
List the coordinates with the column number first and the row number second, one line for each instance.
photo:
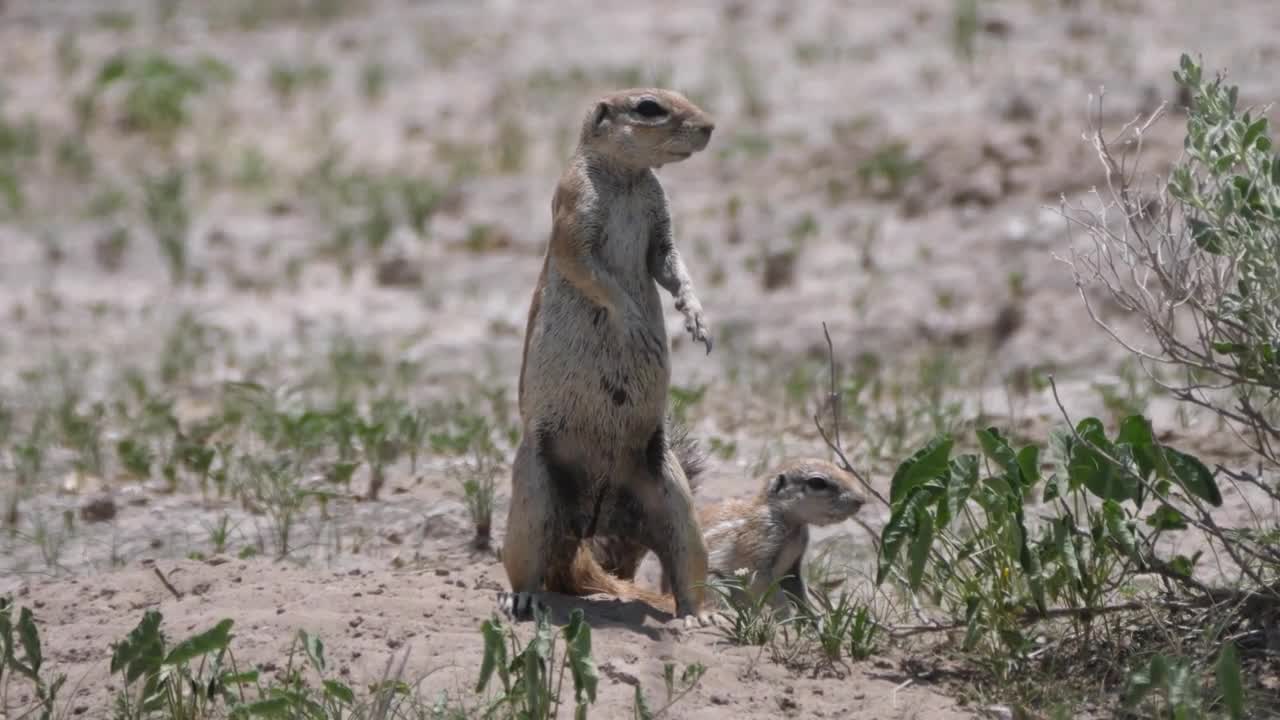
column 1172, row 688
column 984, row 564
column 19, row 147
column 749, row 619
column 158, row 88
column 676, row 689
column 378, row 443
column 532, row 676
column 286, row 79
column 23, row 657
column 888, row 169
column 159, row 678
column 842, row 627
column 1203, row 247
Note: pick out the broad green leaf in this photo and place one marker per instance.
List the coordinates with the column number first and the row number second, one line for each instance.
column 1118, row 529
column 209, row 641
column 314, row 648
column 495, row 654
column 901, row 526
column 1204, row 235
column 961, row 479
column 29, row 636
column 1029, row 465
column 1166, row 517
column 1088, row 466
column 242, row 678
column 642, row 711
column 1000, row 487
column 925, row 464
column 942, row 511
column 271, row 707
column 1030, row 562
column 920, row 545
column 1135, row 431
column 1061, row 442
column 534, row 656
column 1193, row 476
column 1052, row 489
column 1256, row 130
column 1064, row 539
column 1183, row 565
column 999, row 452
column 1230, row 685
column 339, row 692
column 142, row 650
column 577, row 637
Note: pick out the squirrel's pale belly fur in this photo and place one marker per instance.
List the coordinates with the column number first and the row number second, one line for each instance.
column 605, row 381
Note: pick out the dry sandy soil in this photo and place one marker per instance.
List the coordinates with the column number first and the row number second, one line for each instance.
column 481, row 100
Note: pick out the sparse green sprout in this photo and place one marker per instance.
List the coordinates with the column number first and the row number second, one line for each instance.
column 19, row 148
column 379, row 446
column 513, row 144
column 136, row 457
column 158, row 89
column 964, row 28
column 254, row 171
column 114, row 20
column 373, row 81
column 421, row 198
column 22, row 660
column 68, row 54
column 169, row 218
column 751, row 619
column 74, row 157
column 842, row 627
column 886, row 172
column 479, row 492
column 287, row 79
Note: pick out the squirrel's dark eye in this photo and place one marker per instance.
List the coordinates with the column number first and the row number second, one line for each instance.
column 650, row 109
column 816, row 482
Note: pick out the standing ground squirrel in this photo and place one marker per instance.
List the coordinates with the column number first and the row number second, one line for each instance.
column 595, row 458
column 769, row 533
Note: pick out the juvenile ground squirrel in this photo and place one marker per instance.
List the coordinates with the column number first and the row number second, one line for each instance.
column 594, row 457
column 768, row 534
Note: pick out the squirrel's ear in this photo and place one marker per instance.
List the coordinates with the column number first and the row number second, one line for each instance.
column 602, row 113
column 776, row 484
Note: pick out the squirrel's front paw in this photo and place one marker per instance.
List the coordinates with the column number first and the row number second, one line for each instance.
column 695, row 322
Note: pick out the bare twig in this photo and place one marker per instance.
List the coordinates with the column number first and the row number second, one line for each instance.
column 833, row 440
column 165, row 581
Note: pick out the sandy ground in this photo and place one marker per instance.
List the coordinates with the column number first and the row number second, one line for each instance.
column 483, row 99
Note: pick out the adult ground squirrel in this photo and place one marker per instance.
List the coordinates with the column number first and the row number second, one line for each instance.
column 768, row 534
column 594, row 457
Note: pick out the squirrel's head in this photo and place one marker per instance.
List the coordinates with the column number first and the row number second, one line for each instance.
column 814, row 491
column 646, row 127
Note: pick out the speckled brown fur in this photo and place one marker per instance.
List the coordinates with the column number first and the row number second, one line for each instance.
column 768, row 533
column 595, row 459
